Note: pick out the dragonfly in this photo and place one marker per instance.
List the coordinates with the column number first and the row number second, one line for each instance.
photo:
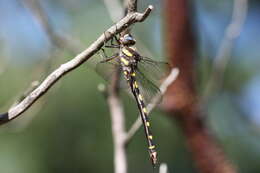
column 141, row 74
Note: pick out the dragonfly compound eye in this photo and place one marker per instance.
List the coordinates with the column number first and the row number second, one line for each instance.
column 128, row 40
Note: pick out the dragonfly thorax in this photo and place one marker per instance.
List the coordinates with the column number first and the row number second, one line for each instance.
column 128, row 57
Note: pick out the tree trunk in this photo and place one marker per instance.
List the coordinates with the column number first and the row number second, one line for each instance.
column 181, row 100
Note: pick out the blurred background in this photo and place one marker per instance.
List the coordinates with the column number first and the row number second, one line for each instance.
column 69, row 129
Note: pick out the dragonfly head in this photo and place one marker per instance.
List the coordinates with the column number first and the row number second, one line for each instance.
column 127, row 40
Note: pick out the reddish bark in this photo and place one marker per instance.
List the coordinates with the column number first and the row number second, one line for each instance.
column 181, row 98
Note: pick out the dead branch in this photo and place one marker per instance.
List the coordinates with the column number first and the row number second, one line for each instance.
column 118, row 121
column 58, row 41
column 118, row 126
column 72, row 64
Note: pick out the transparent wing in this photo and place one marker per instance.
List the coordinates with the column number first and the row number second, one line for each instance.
column 155, row 71
column 147, row 88
column 148, row 75
column 106, row 68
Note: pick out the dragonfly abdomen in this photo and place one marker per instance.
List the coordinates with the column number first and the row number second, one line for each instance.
column 144, row 115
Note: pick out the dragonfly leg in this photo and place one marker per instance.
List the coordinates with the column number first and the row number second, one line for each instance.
column 106, row 59
column 112, row 45
column 117, row 40
column 104, row 55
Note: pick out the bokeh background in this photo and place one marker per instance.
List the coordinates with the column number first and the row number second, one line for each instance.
column 69, row 130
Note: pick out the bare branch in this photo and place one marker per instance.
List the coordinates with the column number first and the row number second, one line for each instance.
column 130, row 7
column 118, row 122
column 32, row 86
column 42, row 69
column 138, row 123
column 142, row 17
column 72, row 64
column 224, row 53
column 60, row 41
column 118, row 126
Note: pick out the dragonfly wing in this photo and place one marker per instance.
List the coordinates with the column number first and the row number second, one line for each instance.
column 106, row 68
column 154, row 71
column 147, row 88
column 148, row 75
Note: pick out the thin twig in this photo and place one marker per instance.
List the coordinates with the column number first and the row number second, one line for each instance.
column 233, row 31
column 130, row 8
column 118, row 121
column 118, row 126
column 72, row 64
column 32, row 86
column 60, row 41
column 138, row 123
